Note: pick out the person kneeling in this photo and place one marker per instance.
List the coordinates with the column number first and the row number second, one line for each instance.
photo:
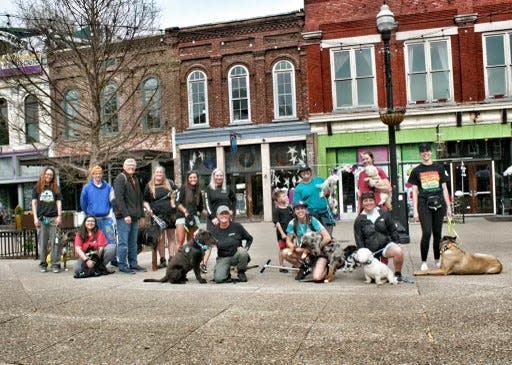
column 295, row 254
column 92, row 249
column 375, row 229
column 230, row 251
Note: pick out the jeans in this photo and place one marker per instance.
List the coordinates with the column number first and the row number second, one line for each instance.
column 223, row 265
column 47, row 232
column 109, row 251
column 127, row 243
column 107, row 226
column 431, row 225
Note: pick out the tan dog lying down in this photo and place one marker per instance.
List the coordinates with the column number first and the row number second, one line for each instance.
column 454, row 261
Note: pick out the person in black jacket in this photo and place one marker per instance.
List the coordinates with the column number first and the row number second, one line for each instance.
column 375, row 229
column 230, row 251
column 189, row 201
column 218, row 194
column 127, row 206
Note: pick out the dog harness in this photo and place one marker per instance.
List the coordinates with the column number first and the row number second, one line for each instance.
column 201, row 246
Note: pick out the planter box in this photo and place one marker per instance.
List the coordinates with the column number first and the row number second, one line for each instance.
column 27, row 221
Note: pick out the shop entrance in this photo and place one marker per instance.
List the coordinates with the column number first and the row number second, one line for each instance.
column 248, row 188
column 474, row 179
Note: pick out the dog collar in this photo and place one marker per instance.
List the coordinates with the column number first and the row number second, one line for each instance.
column 202, row 246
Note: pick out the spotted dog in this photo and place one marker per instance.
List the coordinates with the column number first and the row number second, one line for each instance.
column 333, row 252
column 188, row 258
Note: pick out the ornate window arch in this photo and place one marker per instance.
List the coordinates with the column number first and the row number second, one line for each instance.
column 285, row 102
column 239, row 94
column 197, row 89
column 152, row 104
column 109, row 109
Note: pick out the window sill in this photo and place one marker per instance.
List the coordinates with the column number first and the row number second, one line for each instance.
column 285, row 119
column 358, row 109
column 241, row 122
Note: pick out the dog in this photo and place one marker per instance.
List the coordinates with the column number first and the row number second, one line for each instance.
column 374, row 269
column 350, row 262
column 334, row 252
column 374, row 181
column 66, row 248
column 188, row 258
column 148, row 236
column 328, row 190
column 454, row 261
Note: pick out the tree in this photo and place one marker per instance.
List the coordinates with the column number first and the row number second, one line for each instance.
column 101, row 97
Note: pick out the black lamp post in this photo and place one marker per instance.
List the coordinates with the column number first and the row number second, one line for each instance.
column 390, row 116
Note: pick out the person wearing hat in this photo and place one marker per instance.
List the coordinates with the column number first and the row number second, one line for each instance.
column 95, row 202
column 375, row 229
column 301, row 223
column 230, row 249
column 309, row 190
column 431, row 202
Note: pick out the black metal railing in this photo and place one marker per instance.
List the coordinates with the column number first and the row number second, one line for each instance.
column 21, row 244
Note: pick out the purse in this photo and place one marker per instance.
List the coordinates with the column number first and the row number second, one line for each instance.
column 434, row 202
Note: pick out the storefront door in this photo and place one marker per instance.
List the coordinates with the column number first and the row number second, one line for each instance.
column 474, row 179
column 249, row 194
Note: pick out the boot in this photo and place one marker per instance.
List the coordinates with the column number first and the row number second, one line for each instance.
column 163, row 263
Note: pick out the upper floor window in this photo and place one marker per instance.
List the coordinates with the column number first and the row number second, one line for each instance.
column 239, row 98
column 109, row 110
column 354, row 78
column 31, row 119
column 4, row 122
column 498, row 65
column 152, row 104
column 71, row 114
column 197, row 98
column 284, row 90
column 429, row 71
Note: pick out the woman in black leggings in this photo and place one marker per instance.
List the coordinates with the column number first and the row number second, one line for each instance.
column 431, row 202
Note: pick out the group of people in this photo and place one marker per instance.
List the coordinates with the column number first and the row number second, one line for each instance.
column 179, row 209
column 374, row 227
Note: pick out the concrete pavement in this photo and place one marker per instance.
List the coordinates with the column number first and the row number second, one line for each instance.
column 55, row 319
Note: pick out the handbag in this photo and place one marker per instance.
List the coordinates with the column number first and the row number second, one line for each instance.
column 434, row 202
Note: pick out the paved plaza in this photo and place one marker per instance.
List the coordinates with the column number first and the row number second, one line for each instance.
column 272, row 319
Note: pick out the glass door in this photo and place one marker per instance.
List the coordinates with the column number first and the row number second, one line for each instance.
column 473, row 181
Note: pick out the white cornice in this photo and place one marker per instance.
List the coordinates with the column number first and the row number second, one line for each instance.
column 493, row 26
column 426, row 33
column 352, row 41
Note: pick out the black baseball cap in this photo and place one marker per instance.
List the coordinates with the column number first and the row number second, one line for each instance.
column 304, row 168
column 424, row 147
column 300, row 204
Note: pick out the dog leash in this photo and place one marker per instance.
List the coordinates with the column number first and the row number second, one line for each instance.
column 451, row 228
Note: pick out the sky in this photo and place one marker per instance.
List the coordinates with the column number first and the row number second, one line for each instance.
column 182, row 13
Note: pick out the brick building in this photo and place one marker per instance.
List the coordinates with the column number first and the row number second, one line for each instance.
column 451, row 70
column 241, row 97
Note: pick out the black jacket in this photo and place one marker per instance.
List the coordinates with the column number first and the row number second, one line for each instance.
column 375, row 236
column 127, row 198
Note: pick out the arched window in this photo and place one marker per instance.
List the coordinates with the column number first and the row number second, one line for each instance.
column 109, row 112
column 283, row 76
column 239, row 98
column 31, row 119
column 152, row 104
column 4, row 122
column 197, row 99
column 71, row 113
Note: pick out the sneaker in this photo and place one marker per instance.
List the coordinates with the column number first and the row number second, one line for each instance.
column 424, row 266
column 126, row 270
column 43, row 268
column 241, row 276
column 399, row 277
column 438, row 264
column 56, row 269
column 284, row 271
column 138, row 268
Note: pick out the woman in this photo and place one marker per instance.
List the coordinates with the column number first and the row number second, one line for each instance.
column 216, row 195
column 363, row 185
column 190, row 205
column 90, row 240
column 431, row 202
column 158, row 201
column 47, row 211
column 297, row 227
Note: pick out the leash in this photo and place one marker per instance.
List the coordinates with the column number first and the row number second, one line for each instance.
column 451, row 228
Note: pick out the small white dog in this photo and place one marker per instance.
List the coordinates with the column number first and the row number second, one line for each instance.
column 373, row 268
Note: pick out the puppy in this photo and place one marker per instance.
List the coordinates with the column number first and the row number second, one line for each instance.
column 188, row 258
column 454, row 261
column 148, row 236
column 334, row 252
column 374, row 181
column 373, row 268
column 328, row 189
column 350, row 262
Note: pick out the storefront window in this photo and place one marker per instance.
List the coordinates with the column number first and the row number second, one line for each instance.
column 203, row 160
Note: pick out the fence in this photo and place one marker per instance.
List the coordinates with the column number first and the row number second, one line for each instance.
column 21, row 244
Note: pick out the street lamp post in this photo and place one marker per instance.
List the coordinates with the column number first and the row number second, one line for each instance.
column 390, row 116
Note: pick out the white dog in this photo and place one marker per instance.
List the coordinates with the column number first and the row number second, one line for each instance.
column 328, row 190
column 373, row 268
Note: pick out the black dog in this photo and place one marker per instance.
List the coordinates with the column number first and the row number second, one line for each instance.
column 188, row 258
column 148, row 236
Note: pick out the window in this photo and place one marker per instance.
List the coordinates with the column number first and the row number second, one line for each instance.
column 429, row 72
column 239, row 94
column 197, row 98
column 354, row 78
column 4, row 122
column 284, row 90
column 71, row 113
column 109, row 111
column 152, row 103
column 31, row 119
column 498, row 65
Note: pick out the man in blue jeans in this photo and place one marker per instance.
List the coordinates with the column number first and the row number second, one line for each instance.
column 128, row 208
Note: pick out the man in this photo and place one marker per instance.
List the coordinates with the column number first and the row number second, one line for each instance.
column 230, row 251
column 309, row 191
column 128, row 209
column 95, row 201
column 376, row 230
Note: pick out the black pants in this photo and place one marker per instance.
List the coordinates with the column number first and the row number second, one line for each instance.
column 431, row 225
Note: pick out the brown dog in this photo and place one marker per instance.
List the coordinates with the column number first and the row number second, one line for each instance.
column 454, row 261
